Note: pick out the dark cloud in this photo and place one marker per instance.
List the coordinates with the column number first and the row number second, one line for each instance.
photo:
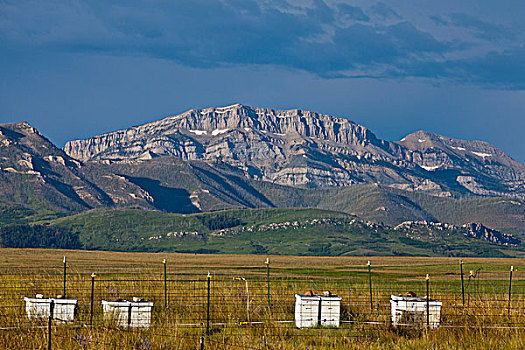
column 504, row 69
column 320, row 12
column 351, row 13
column 326, row 39
column 482, row 29
column 383, row 11
column 367, row 45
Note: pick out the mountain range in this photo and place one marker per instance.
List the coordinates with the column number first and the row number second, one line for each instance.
column 248, row 157
column 311, row 150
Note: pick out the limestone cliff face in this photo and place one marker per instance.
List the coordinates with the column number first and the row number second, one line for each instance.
column 477, row 166
column 291, row 147
column 425, row 230
column 308, row 149
column 480, row 231
column 180, row 135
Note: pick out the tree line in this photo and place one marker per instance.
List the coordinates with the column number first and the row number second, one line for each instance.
column 38, row 236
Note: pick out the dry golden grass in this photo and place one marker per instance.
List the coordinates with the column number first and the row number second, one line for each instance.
column 25, row 272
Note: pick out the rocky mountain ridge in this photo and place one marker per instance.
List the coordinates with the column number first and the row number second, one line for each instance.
column 37, row 174
column 424, row 229
column 39, row 179
column 311, row 150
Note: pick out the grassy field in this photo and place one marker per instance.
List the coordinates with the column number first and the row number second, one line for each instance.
column 291, row 231
column 242, row 317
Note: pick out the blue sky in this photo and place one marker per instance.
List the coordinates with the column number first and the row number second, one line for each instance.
column 75, row 69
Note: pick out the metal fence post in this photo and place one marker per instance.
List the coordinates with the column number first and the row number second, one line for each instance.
column 165, row 285
column 470, row 276
column 462, row 281
column 208, row 278
column 370, row 285
column 65, row 267
column 130, row 312
column 268, row 280
column 510, row 285
column 49, row 323
column 427, row 278
column 92, row 298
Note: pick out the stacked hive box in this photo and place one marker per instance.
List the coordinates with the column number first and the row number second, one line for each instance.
column 306, row 310
column 317, row 309
column 135, row 314
column 63, row 309
column 330, row 310
column 413, row 311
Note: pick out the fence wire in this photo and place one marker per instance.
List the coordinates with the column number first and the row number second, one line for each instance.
column 244, row 308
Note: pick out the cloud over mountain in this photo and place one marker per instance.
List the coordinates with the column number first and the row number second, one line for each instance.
column 330, row 39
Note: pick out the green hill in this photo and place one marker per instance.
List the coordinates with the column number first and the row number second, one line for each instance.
column 267, row 231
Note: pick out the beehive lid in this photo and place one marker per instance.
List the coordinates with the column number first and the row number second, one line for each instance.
column 409, row 299
column 307, row 297
column 38, row 300
column 64, row 301
column 141, row 303
column 127, row 303
column 331, row 297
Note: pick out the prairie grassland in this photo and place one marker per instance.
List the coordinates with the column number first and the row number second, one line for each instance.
column 243, row 315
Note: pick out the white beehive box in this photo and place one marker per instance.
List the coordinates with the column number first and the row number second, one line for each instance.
column 129, row 313
column 317, row 309
column 63, row 310
column 330, row 310
column 306, row 310
column 413, row 311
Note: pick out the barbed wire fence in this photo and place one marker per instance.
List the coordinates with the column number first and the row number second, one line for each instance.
column 245, row 307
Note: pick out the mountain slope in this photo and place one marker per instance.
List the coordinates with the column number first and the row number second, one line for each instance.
column 40, row 183
column 311, row 150
column 36, row 173
column 476, row 166
column 220, row 186
column 39, row 180
column 174, row 185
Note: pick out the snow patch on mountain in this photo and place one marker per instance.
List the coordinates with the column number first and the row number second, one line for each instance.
column 219, row 131
column 482, row 155
column 430, row 168
column 199, row 132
